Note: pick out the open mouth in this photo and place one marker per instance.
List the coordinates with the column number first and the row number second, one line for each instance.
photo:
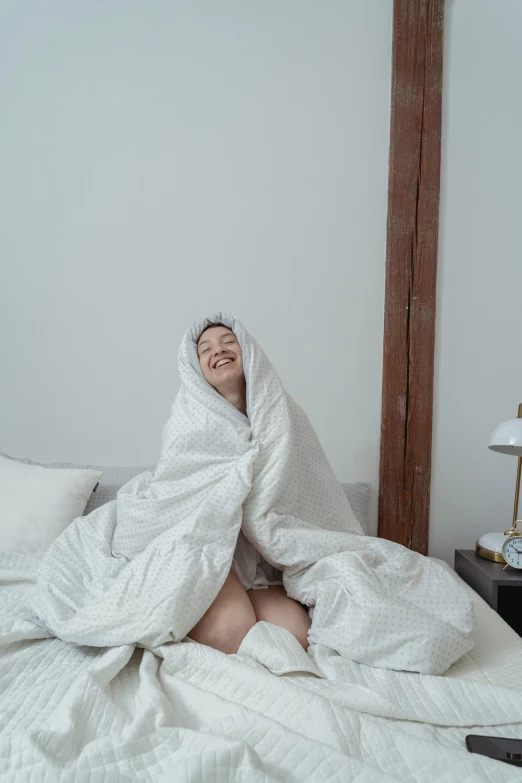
column 222, row 363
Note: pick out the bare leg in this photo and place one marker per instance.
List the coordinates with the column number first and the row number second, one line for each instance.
column 228, row 620
column 274, row 606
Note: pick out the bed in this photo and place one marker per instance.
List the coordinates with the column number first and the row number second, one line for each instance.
column 186, row 712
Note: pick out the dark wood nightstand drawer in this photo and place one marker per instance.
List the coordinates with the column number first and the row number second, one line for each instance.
column 501, row 589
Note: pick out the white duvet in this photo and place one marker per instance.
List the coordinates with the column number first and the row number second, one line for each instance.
column 190, row 714
column 145, row 568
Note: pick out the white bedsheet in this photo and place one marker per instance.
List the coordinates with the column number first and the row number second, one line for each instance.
column 186, row 712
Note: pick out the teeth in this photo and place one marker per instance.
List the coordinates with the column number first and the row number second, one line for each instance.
column 223, row 361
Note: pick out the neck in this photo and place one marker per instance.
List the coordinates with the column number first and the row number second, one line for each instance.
column 237, row 397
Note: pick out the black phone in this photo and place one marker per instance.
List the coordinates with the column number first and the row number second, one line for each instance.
column 500, row 748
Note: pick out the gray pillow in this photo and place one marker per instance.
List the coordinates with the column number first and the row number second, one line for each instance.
column 358, row 494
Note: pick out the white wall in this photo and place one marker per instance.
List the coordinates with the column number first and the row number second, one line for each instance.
column 160, row 160
column 478, row 373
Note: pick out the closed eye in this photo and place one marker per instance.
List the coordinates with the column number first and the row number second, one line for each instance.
column 225, row 342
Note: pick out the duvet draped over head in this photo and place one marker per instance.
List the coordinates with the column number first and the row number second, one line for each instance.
column 242, row 491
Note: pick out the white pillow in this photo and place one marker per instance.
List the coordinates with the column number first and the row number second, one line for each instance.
column 37, row 503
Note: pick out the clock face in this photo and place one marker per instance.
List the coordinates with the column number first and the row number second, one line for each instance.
column 512, row 551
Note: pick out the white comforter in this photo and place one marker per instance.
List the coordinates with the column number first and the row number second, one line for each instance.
column 186, row 713
column 145, row 568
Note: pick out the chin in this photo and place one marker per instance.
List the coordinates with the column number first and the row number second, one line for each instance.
column 231, row 380
column 234, row 372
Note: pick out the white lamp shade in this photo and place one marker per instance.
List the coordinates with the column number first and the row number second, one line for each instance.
column 507, row 438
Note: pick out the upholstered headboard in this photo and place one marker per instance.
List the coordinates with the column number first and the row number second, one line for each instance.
column 358, row 494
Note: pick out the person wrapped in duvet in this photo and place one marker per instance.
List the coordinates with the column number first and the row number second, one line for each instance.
column 244, row 520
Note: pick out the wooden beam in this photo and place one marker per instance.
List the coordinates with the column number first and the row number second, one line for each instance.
column 411, row 272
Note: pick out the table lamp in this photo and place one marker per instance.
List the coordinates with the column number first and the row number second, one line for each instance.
column 506, row 439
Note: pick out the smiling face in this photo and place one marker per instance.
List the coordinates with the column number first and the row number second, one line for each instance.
column 220, row 358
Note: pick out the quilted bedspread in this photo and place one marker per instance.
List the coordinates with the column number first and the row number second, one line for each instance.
column 187, row 713
column 145, row 568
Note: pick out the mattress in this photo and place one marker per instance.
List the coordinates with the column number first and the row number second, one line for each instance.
column 186, row 712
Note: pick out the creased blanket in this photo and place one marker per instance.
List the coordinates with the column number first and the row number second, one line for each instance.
column 145, row 568
column 191, row 714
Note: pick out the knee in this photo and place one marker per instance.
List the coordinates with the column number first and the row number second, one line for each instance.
column 226, row 635
column 302, row 638
column 300, row 631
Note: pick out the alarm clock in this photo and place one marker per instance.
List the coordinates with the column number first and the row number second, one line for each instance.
column 512, row 551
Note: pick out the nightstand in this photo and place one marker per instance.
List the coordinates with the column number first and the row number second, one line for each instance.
column 502, row 590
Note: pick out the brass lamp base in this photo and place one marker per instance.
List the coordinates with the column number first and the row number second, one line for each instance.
column 487, row 554
column 490, row 545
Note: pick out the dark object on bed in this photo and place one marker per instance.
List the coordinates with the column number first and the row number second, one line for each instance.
column 499, row 748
